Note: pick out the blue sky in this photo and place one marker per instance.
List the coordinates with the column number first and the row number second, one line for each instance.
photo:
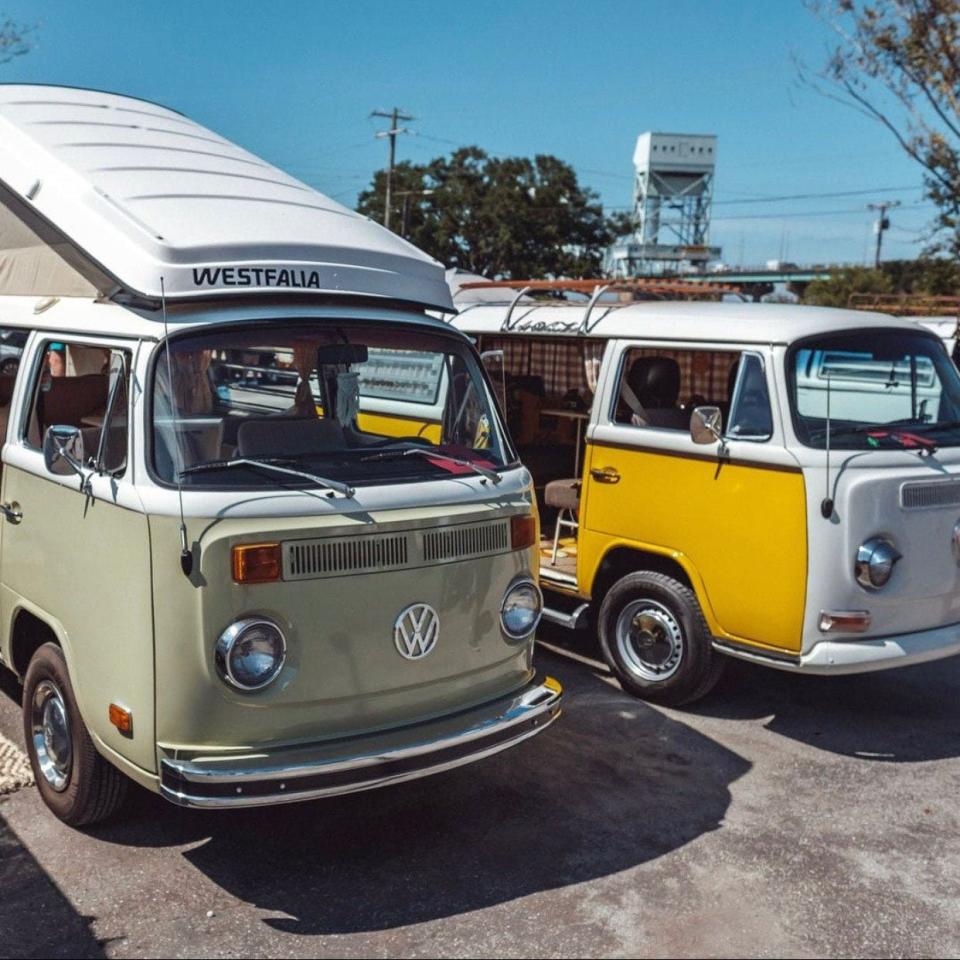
column 295, row 82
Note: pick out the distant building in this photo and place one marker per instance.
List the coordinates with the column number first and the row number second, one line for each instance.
column 673, row 190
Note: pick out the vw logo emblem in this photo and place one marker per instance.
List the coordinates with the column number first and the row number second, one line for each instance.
column 416, row 630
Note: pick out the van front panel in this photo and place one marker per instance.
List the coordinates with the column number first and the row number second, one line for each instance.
column 344, row 673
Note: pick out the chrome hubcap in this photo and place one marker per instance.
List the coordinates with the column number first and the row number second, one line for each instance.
column 52, row 743
column 649, row 640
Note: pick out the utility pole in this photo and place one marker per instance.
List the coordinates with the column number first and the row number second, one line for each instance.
column 394, row 116
column 407, row 194
column 882, row 224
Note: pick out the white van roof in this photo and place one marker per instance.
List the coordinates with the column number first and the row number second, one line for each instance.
column 694, row 321
column 104, row 194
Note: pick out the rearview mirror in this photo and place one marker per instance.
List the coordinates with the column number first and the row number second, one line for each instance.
column 706, row 425
column 63, row 450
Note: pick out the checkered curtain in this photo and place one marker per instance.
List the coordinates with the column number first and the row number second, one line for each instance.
column 702, row 372
column 561, row 362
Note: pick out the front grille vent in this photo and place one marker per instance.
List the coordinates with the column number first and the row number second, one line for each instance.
column 455, row 543
column 304, row 559
column 917, row 496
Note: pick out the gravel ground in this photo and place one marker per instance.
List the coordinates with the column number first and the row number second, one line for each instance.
column 783, row 816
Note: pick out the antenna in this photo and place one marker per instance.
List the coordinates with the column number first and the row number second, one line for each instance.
column 186, row 555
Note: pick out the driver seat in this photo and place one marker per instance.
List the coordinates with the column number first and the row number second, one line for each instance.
column 655, row 383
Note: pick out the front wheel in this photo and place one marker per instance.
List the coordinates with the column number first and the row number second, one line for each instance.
column 655, row 639
column 76, row 783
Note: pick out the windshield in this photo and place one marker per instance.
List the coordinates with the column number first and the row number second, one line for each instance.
column 880, row 388
column 330, row 404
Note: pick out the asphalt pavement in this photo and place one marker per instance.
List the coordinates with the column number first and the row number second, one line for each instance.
column 782, row 816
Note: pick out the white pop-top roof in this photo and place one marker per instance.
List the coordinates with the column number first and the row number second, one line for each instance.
column 127, row 191
column 694, row 321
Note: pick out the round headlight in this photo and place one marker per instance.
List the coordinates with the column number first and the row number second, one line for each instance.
column 250, row 653
column 521, row 609
column 875, row 561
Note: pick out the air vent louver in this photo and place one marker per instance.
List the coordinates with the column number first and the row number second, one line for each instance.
column 454, row 543
column 917, row 496
column 304, row 559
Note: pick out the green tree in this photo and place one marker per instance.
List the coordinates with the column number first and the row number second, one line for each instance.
column 501, row 217
column 931, row 276
column 845, row 281
column 897, row 61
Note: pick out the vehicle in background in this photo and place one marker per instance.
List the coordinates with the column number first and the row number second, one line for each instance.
column 12, row 343
column 771, row 482
column 264, row 536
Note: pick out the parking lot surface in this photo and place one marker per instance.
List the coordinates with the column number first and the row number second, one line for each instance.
column 782, row 816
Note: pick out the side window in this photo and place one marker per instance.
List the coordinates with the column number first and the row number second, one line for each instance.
column 750, row 416
column 12, row 342
column 660, row 388
column 87, row 387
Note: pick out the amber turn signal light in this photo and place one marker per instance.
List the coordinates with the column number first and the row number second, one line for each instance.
column 121, row 718
column 257, row 562
column 523, row 531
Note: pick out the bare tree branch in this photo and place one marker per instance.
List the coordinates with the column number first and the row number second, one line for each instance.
column 14, row 40
column 898, row 62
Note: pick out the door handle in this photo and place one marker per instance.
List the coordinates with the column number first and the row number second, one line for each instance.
column 12, row 511
column 605, row 474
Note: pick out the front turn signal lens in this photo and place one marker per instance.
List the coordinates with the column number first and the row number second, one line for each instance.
column 844, row 621
column 523, row 531
column 121, row 718
column 257, row 562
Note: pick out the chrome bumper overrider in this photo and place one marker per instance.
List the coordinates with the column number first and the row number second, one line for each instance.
column 361, row 763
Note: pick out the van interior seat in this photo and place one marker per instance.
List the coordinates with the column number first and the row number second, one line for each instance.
column 655, row 381
column 67, row 400
column 288, row 436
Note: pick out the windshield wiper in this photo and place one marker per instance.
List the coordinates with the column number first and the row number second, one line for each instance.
column 335, row 486
column 490, row 475
column 908, row 439
column 936, row 425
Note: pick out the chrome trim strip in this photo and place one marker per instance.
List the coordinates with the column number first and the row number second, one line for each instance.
column 527, row 713
column 572, row 621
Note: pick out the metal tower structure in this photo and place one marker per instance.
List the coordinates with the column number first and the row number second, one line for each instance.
column 673, row 189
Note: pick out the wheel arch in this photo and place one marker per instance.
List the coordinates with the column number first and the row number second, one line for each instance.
column 621, row 559
column 30, row 628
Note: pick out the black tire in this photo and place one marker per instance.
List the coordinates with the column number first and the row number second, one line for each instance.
column 667, row 656
column 93, row 789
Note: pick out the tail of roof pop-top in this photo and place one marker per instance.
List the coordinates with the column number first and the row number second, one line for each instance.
column 102, row 194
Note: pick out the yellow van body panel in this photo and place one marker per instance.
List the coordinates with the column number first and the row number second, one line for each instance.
column 391, row 425
column 737, row 529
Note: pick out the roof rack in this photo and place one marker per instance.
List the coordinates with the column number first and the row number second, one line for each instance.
column 906, row 304
column 652, row 288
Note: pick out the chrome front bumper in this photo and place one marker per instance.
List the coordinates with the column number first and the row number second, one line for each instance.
column 362, row 763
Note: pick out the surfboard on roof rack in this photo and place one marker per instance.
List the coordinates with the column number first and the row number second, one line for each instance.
column 102, row 194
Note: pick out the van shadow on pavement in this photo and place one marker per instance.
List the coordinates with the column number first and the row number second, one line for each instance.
column 611, row 785
column 906, row 714
column 37, row 919
column 902, row 715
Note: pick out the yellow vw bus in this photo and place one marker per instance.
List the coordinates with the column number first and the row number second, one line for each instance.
column 772, row 482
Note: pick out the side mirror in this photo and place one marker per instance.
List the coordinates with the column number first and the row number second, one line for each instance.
column 63, row 450
column 706, row 425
